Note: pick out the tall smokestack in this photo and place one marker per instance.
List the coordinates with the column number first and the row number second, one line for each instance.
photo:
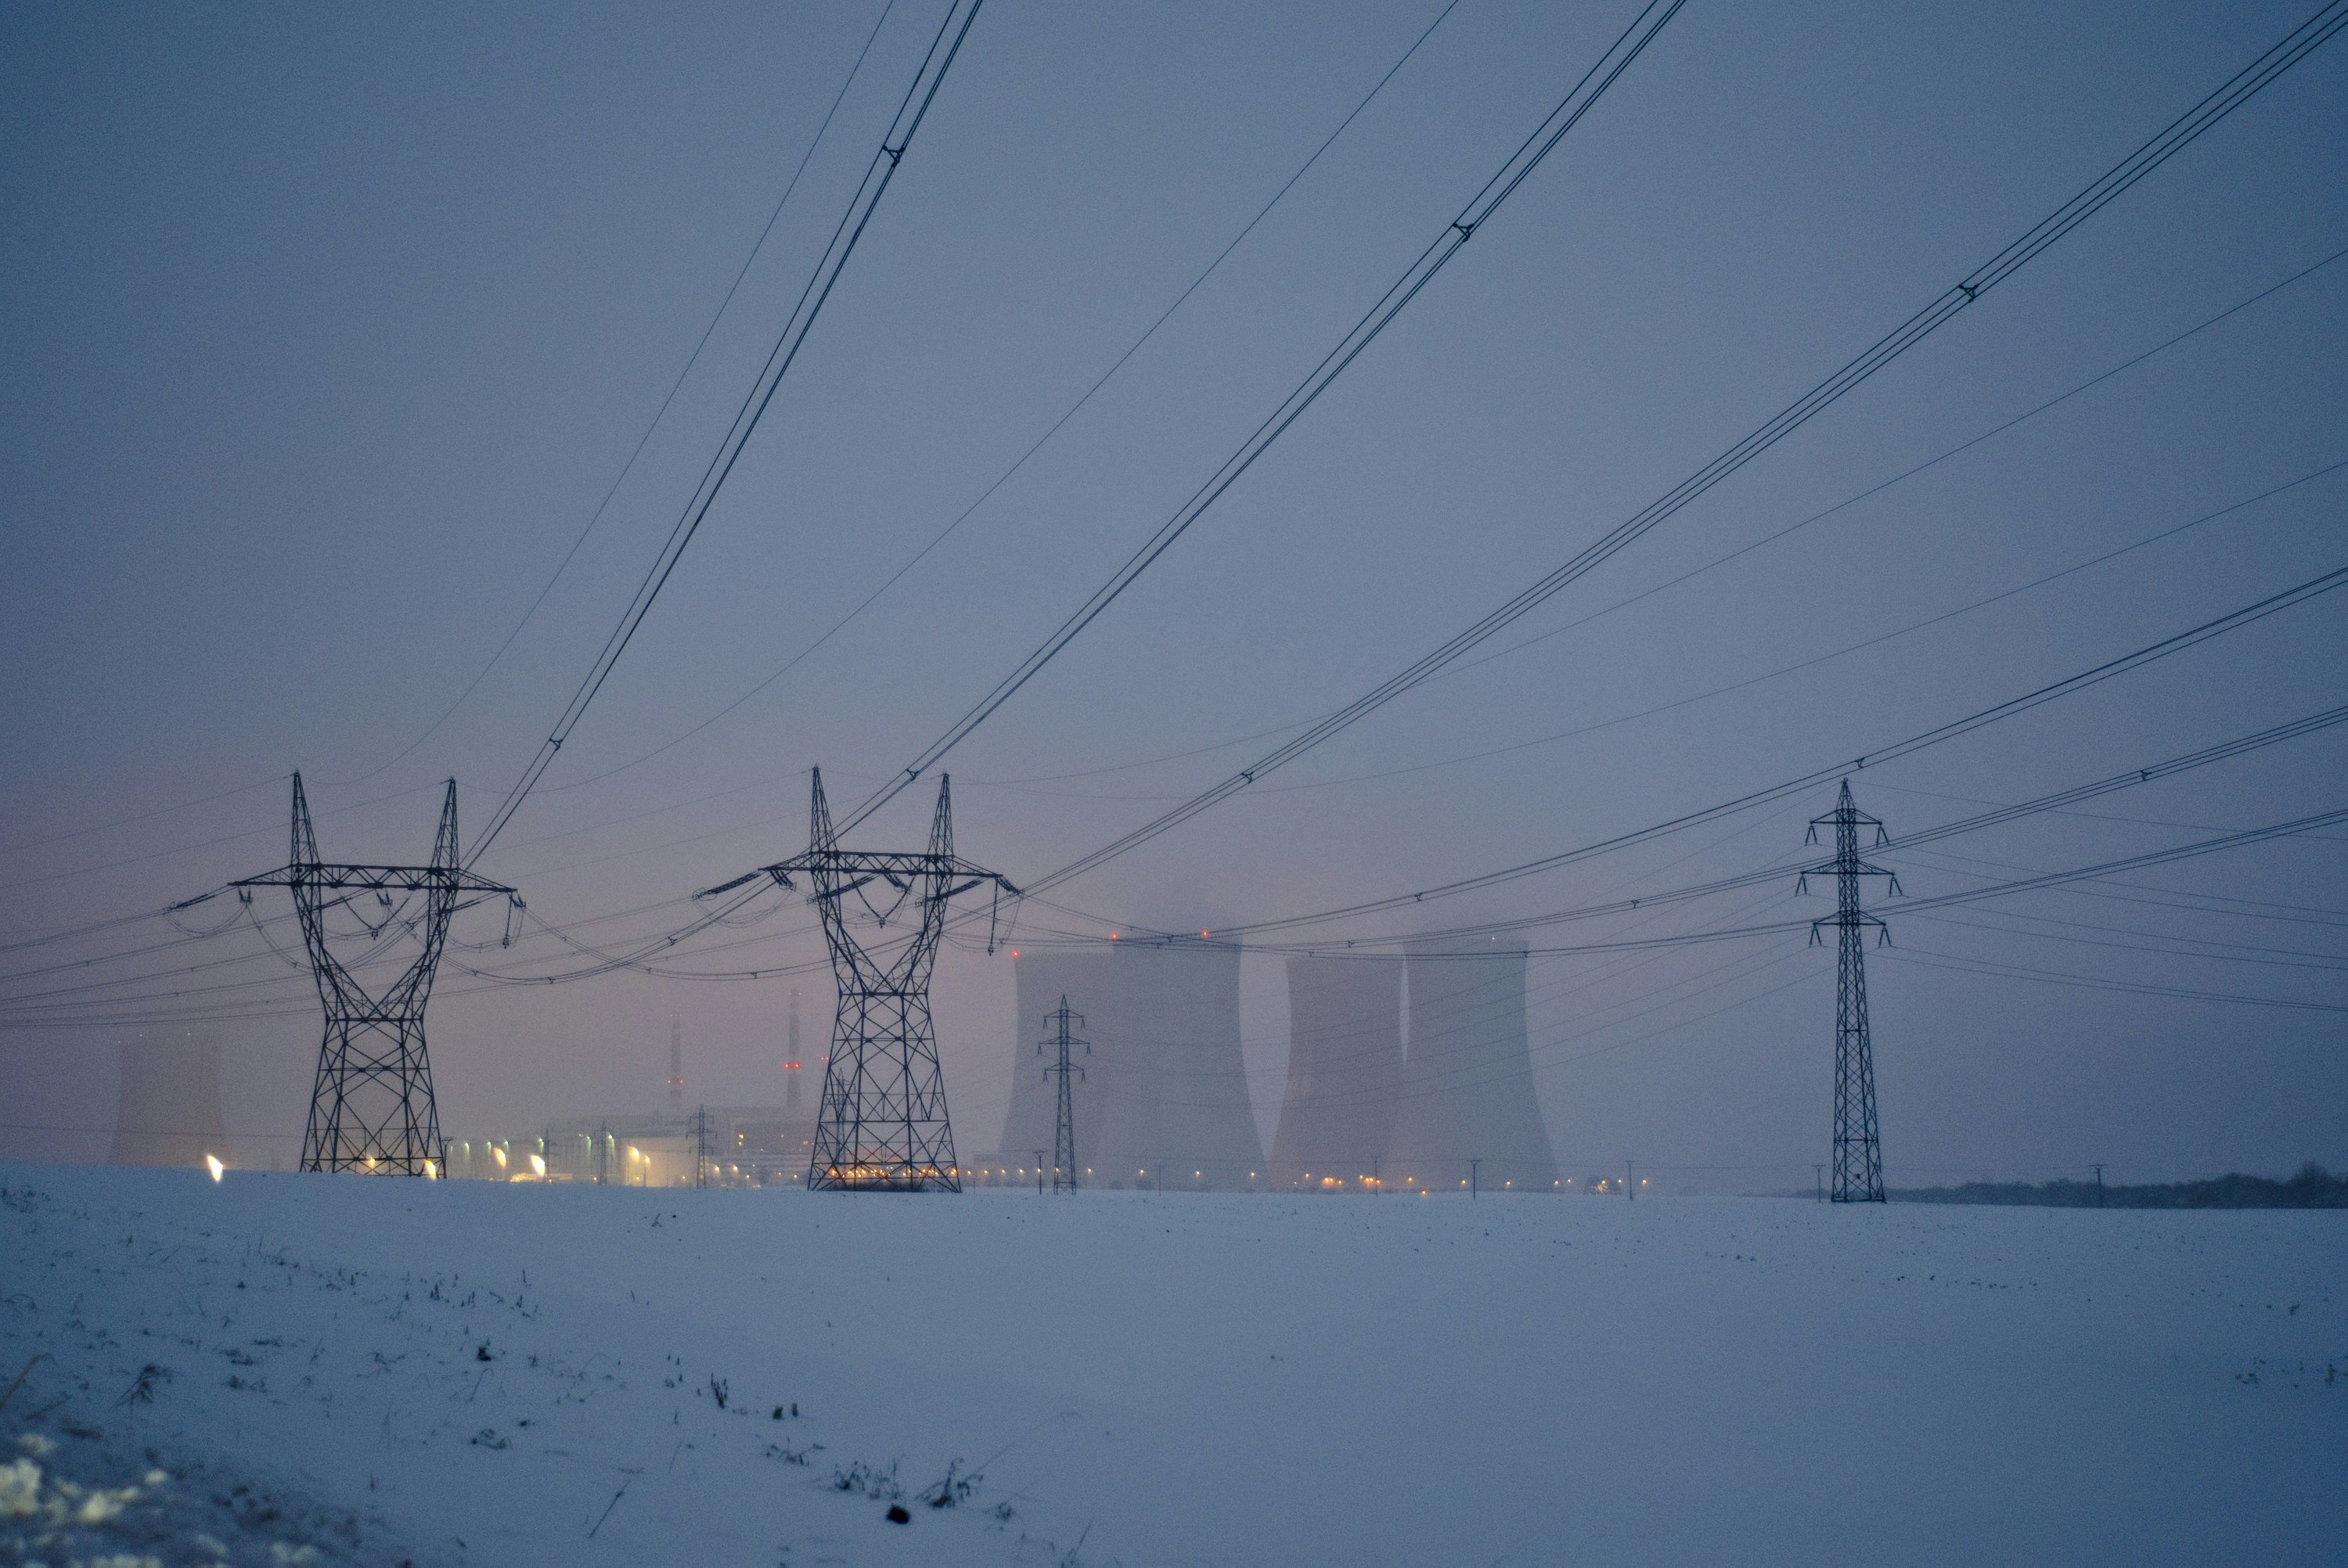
column 791, row 1063
column 676, row 1065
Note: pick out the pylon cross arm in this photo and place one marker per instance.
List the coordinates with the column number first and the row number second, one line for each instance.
column 375, row 878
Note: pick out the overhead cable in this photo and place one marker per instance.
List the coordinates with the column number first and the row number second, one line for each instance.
column 2141, row 987
column 2003, row 425
column 658, row 413
column 2151, row 653
column 1051, row 430
column 1998, row 817
column 1431, row 261
column 1748, row 681
column 2179, row 134
column 878, row 175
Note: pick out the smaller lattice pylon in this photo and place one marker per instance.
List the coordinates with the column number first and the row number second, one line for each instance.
column 1857, row 1144
column 1062, row 1021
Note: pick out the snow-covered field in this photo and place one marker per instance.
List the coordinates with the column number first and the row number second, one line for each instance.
column 372, row 1370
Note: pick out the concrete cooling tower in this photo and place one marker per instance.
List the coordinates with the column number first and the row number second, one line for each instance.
column 1466, row 1088
column 170, row 1110
column 1041, row 979
column 1344, row 1069
column 1164, row 1101
column 1176, row 1113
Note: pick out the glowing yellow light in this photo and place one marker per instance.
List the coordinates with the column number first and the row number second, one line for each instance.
column 212, row 1163
column 537, row 1163
column 431, row 1172
column 498, row 1153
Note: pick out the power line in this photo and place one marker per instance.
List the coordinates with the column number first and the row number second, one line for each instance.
column 1926, row 959
column 2195, row 903
column 674, row 387
column 1766, row 541
column 2236, row 840
column 1054, row 428
column 205, row 844
column 605, row 962
column 2130, row 779
column 2012, row 706
column 2179, row 134
column 1431, row 261
column 1749, row 681
column 2157, row 944
column 875, row 183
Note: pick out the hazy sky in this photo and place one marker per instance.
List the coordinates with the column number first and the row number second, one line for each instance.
column 328, row 328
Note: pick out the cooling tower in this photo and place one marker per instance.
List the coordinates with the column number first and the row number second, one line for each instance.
column 1175, row 1112
column 1345, row 1066
column 1041, row 979
column 169, row 1111
column 1164, row 1095
column 1466, row 1088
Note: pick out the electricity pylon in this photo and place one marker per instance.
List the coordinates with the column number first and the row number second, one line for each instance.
column 701, row 1147
column 881, row 1125
column 1064, row 1137
column 372, row 1107
column 1857, row 1150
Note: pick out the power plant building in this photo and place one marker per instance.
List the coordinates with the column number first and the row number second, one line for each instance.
column 1345, row 1072
column 1466, row 1090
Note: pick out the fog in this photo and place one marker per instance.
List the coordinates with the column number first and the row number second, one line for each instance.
column 329, row 331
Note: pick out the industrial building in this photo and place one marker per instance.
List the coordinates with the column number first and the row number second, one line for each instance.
column 1164, row 1102
column 1465, row 1091
column 1345, row 1070
column 169, row 1111
column 744, row 1147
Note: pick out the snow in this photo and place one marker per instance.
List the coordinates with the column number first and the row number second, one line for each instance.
column 1159, row 1378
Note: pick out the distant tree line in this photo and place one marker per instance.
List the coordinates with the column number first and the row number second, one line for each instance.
column 2312, row 1188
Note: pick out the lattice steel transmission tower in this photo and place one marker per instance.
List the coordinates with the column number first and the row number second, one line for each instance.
column 372, row 1107
column 700, row 1126
column 1858, row 1149
column 1064, row 1136
column 881, row 1125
